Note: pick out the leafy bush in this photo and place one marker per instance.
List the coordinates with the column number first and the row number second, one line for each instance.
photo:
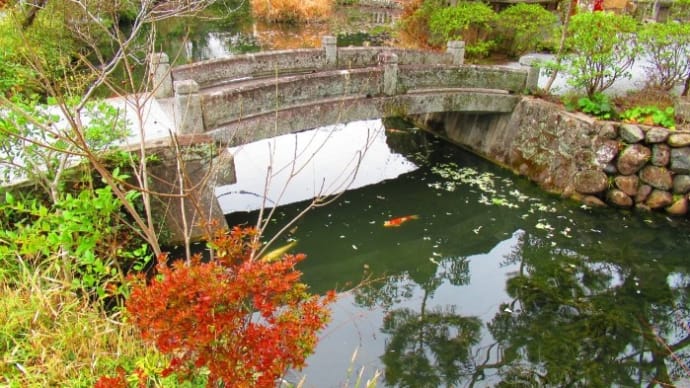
column 598, row 105
column 523, row 28
column 46, row 46
column 414, row 21
column 469, row 21
column 245, row 320
column 668, row 46
column 651, row 115
column 602, row 49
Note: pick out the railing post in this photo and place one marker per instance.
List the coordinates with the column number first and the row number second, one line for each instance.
column 531, row 64
column 329, row 44
column 187, row 107
column 456, row 50
column 160, row 75
column 389, row 61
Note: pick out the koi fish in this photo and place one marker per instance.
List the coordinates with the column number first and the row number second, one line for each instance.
column 278, row 252
column 395, row 222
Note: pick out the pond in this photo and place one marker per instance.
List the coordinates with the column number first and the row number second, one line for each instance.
column 493, row 283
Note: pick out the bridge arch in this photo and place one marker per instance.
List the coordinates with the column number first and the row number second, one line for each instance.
column 248, row 97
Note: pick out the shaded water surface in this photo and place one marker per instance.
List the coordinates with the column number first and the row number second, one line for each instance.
column 495, row 284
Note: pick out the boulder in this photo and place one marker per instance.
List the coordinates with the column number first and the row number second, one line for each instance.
column 661, row 155
column 633, row 158
column 643, row 193
column 631, row 133
column 658, row 199
column 657, row 177
column 679, row 139
column 606, row 152
column 657, row 135
column 628, row 184
column 607, row 130
column 679, row 207
column 681, row 184
column 618, row 198
column 593, row 201
column 591, row 181
column 680, row 160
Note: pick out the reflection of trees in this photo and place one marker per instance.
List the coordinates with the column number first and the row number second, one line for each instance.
column 574, row 319
column 417, row 338
column 430, row 347
column 577, row 321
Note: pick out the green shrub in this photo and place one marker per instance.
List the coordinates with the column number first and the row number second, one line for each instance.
column 469, row 21
column 668, row 46
column 602, row 49
column 651, row 115
column 599, row 105
column 523, row 28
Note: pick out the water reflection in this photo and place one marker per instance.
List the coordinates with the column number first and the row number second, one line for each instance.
column 222, row 32
column 321, row 162
column 497, row 284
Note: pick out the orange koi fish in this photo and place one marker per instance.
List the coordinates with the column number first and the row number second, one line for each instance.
column 395, row 222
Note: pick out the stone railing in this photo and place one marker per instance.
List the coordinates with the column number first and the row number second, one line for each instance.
column 217, row 93
column 273, row 63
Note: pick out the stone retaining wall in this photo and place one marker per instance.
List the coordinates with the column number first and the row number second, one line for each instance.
column 598, row 162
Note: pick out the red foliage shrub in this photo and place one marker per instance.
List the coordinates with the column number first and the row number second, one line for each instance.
column 247, row 320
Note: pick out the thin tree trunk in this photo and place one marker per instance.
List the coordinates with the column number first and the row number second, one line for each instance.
column 572, row 6
column 34, row 7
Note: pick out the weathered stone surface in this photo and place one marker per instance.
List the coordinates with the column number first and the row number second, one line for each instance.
column 633, row 158
column 679, row 139
column 590, row 181
column 627, row 184
column 593, row 201
column 643, row 193
column 680, row 160
column 658, row 199
column 618, row 198
column 606, row 152
column 642, row 207
column 656, row 135
column 657, row 177
column 661, row 155
column 681, row 184
column 611, row 168
column 631, row 133
column 608, row 130
column 678, row 207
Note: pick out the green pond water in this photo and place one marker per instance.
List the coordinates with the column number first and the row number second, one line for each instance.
column 495, row 284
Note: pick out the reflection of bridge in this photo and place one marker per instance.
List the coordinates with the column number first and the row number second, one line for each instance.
column 249, row 97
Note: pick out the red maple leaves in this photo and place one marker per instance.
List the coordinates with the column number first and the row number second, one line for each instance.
column 246, row 320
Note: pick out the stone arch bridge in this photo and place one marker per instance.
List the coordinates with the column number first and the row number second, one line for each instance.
column 244, row 98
